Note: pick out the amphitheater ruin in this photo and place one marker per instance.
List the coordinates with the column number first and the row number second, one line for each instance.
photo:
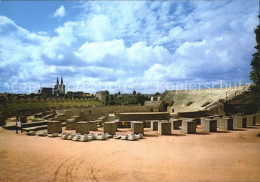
column 188, row 110
column 189, row 113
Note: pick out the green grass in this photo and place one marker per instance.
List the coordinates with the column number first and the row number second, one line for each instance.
column 34, row 104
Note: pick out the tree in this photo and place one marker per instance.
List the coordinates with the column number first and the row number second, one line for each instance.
column 157, row 93
column 255, row 64
column 107, row 96
column 140, row 98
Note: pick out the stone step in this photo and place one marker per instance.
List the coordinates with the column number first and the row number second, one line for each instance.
column 36, row 128
column 26, row 125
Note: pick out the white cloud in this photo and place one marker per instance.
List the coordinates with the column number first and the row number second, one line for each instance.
column 135, row 44
column 60, row 12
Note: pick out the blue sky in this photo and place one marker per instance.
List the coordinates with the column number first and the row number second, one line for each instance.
column 148, row 46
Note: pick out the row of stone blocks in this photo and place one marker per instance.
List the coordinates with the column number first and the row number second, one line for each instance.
column 127, row 124
column 209, row 125
column 164, row 127
column 71, row 124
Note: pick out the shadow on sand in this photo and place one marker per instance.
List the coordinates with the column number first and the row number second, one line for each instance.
column 238, row 129
column 178, row 134
column 202, row 133
column 145, row 135
column 223, row 131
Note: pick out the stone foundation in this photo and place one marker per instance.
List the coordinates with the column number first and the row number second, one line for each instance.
column 176, row 123
column 138, row 127
column 218, row 120
column 70, row 124
column 154, row 125
column 250, row 119
column 54, row 127
column 226, row 124
column 198, row 121
column 144, row 116
column 61, row 117
column 110, row 127
column 193, row 114
column 78, row 118
column 240, row 122
column 82, row 127
column 257, row 118
column 93, row 126
column 209, row 125
column 164, row 128
column 2, row 121
column 189, row 126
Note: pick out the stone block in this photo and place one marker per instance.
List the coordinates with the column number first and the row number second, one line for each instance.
column 198, row 121
column 164, row 128
column 202, row 119
column 257, row 118
column 93, row 126
column 54, row 127
column 78, row 118
column 240, row 122
column 218, row 120
column 189, row 126
column 226, row 124
column 82, row 127
column 209, row 125
column 176, row 123
column 110, row 127
column 139, row 116
column 70, row 124
column 250, row 119
column 138, row 127
column 61, row 117
column 154, row 125
column 2, row 121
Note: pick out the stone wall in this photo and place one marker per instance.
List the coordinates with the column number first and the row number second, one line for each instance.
column 144, row 116
column 193, row 114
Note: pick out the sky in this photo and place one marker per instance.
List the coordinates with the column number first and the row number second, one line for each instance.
column 147, row 46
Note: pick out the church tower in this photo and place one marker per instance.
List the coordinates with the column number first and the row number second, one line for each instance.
column 59, row 88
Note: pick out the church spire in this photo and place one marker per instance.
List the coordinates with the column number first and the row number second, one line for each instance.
column 61, row 80
column 57, row 81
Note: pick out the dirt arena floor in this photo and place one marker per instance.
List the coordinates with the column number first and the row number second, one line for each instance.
column 219, row 156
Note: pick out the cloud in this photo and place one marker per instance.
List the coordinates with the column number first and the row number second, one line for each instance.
column 134, row 45
column 60, row 12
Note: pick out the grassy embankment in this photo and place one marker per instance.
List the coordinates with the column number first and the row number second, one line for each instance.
column 15, row 105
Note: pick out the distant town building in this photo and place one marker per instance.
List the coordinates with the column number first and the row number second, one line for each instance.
column 46, row 91
column 87, row 95
column 79, row 94
column 58, row 90
column 75, row 94
column 101, row 95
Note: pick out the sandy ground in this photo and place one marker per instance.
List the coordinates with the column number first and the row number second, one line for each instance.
column 220, row 156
